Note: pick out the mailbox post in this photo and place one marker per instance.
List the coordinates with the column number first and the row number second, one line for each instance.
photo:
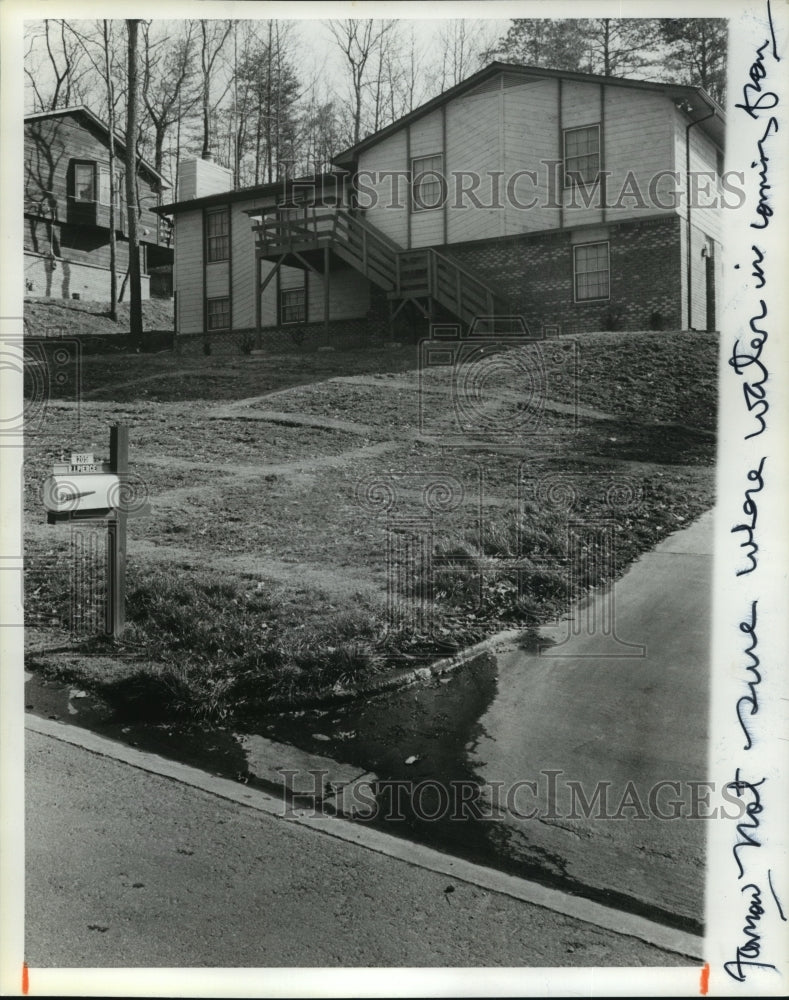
column 116, row 536
column 86, row 490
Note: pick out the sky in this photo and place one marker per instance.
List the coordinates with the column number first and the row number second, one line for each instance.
column 327, row 59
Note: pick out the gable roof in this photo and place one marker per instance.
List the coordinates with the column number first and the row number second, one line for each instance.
column 698, row 100
column 80, row 109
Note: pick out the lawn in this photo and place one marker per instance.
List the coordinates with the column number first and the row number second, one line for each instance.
column 318, row 519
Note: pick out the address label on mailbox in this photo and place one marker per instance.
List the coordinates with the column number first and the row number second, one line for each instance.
column 70, row 493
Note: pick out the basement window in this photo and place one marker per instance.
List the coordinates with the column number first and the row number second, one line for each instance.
column 428, row 188
column 581, row 155
column 219, row 313
column 592, row 271
column 217, row 235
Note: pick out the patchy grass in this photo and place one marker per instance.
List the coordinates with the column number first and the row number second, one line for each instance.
column 78, row 318
column 285, row 556
column 166, row 377
column 652, row 376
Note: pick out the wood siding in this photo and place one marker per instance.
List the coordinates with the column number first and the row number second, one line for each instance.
column 349, row 294
column 188, row 271
column 269, row 310
column 426, row 139
column 703, row 159
column 217, row 279
column 52, row 145
column 390, row 154
column 638, row 141
column 73, row 243
column 473, row 146
column 531, row 137
column 242, row 251
column 516, row 124
column 706, row 223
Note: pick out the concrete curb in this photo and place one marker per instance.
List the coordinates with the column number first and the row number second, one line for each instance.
column 406, row 676
column 575, row 907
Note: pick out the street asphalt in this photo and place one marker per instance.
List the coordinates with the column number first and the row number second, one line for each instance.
column 126, row 867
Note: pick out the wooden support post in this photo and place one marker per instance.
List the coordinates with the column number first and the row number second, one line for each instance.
column 326, row 280
column 258, row 293
column 116, row 536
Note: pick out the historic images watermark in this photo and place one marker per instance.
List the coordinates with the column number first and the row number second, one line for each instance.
column 65, row 587
column 549, row 795
column 549, row 187
column 47, row 369
column 50, row 369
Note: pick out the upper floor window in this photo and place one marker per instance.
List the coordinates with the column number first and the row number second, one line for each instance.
column 104, row 187
column 592, row 271
column 428, row 185
column 85, row 181
column 217, row 234
column 581, row 155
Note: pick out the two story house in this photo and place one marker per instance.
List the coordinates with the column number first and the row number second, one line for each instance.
column 67, row 196
column 571, row 201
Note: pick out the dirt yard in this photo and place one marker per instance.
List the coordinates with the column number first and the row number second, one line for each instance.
column 319, row 518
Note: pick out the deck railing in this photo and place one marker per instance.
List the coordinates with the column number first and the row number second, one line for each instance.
column 422, row 273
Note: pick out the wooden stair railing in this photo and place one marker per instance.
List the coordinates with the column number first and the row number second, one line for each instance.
column 419, row 274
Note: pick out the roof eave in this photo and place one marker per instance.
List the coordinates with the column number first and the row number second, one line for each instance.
column 242, row 194
column 347, row 157
column 81, row 109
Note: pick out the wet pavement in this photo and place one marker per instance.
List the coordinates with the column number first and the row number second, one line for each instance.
column 577, row 765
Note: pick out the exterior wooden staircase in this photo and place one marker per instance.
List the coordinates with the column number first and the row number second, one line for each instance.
column 422, row 276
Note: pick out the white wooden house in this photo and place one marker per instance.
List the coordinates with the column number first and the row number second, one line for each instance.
column 561, row 198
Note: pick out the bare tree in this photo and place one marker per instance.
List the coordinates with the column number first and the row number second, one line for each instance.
column 456, row 55
column 463, row 46
column 359, row 40
column 413, row 84
column 135, row 285
column 108, row 79
column 213, row 36
column 59, row 64
column 168, row 82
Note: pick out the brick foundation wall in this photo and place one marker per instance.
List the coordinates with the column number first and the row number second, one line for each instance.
column 535, row 273
column 69, row 278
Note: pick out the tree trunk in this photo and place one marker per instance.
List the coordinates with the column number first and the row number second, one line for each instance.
column 113, row 189
column 135, row 287
column 269, row 67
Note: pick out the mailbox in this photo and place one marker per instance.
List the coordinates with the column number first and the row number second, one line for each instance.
column 72, row 493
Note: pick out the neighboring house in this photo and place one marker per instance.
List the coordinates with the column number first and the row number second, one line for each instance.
column 557, row 197
column 67, row 194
